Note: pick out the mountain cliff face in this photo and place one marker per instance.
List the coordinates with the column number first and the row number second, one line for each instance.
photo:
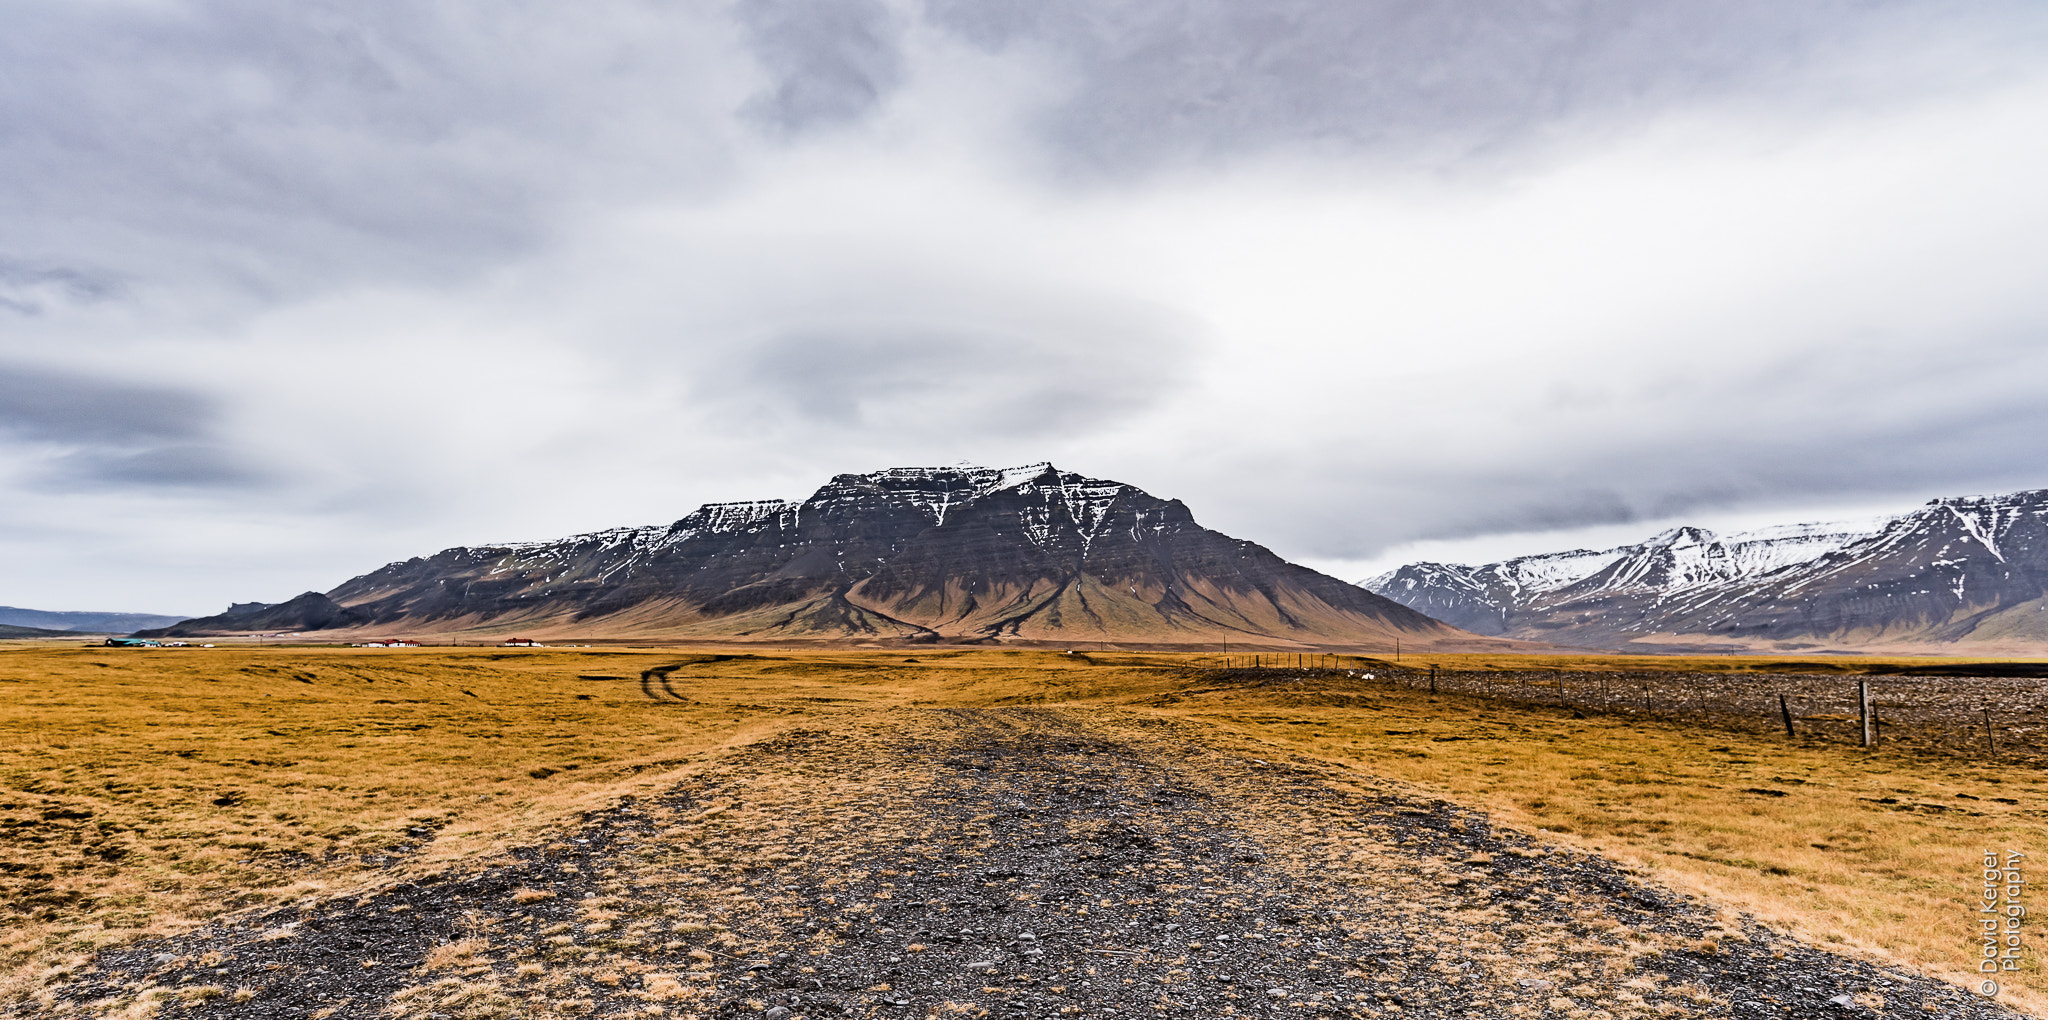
column 1972, row 570
column 923, row 554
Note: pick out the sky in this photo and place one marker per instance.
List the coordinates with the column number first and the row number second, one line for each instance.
column 289, row 291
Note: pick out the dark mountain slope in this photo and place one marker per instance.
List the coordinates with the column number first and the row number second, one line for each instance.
column 1031, row 554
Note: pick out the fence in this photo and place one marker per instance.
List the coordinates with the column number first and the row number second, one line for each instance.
column 1973, row 716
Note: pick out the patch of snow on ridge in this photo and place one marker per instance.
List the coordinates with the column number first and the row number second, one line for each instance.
column 609, row 536
column 1672, row 560
column 725, row 518
column 1763, row 550
column 980, row 480
column 1535, row 575
column 937, row 490
column 1008, row 478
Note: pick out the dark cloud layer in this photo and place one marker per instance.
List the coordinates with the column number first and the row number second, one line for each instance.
column 28, row 289
column 830, row 61
column 1012, row 374
column 46, row 406
column 1158, row 81
column 110, row 434
column 283, row 148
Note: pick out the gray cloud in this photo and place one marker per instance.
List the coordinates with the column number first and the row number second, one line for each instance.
column 830, row 61
column 176, row 466
column 28, row 289
column 910, row 378
column 437, row 257
column 106, row 433
column 1851, row 423
column 1158, row 82
column 287, row 149
column 42, row 405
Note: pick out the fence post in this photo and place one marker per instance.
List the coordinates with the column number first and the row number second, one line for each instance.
column 1863, row 711
column 1990, row 739
column 1432, row 678
column 1785, row 711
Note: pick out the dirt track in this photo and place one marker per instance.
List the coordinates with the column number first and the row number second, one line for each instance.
column 1022, row 862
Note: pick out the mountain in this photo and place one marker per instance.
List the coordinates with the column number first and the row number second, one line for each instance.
column 1963, row 571
column 1030, row 554
column 84, row 623
column 1520, row 593
column 311, row 611
column 10, row 633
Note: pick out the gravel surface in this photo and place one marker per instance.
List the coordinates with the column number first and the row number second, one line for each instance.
column 1014, row 863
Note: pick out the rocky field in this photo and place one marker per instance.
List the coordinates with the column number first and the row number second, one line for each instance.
column 976, row 834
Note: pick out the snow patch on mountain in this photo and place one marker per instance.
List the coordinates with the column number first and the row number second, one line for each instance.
column 1954, row 569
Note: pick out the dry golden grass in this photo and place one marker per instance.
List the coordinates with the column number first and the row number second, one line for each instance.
column 1870, row 852
column 144, row 791
column 141, row 791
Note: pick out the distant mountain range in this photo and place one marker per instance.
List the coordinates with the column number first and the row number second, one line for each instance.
column 12, row 633
column 1970, row 571
column 962, row 554
column 85, row 623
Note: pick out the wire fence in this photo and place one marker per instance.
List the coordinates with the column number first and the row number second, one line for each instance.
column 2001, row 718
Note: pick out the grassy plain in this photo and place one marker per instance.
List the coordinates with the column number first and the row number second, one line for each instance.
column 142, row 792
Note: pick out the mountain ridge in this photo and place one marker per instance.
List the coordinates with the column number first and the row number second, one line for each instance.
column 958, row 554
column 1969, row 570
column 83, row 622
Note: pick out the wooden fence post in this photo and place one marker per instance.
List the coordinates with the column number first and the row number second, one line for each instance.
column 1990, row 739
column 1785, row 711
column 1432, row 678
column 1863, row 712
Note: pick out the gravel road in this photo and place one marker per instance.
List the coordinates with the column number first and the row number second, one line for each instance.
column 914, row 863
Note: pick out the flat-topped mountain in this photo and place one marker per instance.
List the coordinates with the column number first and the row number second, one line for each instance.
column 1969, row 570
column 83, row 623
column 922, row 554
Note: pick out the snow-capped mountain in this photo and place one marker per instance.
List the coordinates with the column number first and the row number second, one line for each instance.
column 1971, row 569
column 963, row 553
column 1494, row 598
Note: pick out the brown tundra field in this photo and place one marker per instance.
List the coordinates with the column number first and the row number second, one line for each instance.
column 663, row 832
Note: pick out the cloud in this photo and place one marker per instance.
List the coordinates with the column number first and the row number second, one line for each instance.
column 177, row 466
column 829, row 61
column 1860, row 424
column 284, row 151
column 324, row 286
column 28, row 289
column 100, row 433
column 42, row 405
column 905, row 378
column 1158, row 82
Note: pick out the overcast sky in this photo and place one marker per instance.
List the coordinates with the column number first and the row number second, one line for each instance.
column 288, row 291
